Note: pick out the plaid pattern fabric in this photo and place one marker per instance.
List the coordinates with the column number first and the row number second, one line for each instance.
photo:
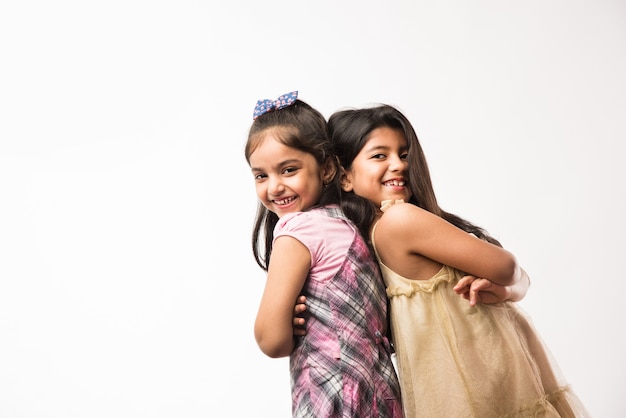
column 342, row 367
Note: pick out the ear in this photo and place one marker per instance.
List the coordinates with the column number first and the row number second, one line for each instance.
column 329, row 171
column 346, row 182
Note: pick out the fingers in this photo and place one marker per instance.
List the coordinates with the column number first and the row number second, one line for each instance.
column 469, row 287
column 300, row 305
column 477, row 286
column 463, row 285
column 481, row 284
column 474, row 297
column 479, row 290
column 299, row 328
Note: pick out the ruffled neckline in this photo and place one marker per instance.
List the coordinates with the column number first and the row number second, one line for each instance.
column 386, row 204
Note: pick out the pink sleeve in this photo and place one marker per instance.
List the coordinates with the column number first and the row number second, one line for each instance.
column 301, row 226
column 327, row 239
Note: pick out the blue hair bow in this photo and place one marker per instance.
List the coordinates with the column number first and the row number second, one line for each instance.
column 267, row 105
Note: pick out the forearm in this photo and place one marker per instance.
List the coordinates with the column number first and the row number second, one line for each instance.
column 272, row 343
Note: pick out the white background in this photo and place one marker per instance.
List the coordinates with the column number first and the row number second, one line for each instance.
column 127, row 283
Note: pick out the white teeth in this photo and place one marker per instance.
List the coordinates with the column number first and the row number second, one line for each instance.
column 395, row 183
column 284, row 201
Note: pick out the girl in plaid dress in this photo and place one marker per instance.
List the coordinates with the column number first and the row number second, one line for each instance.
column 342, row 367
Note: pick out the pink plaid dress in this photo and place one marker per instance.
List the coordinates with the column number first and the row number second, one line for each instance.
column 342, row 367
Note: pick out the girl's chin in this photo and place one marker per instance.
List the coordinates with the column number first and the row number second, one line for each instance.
column 396, row 196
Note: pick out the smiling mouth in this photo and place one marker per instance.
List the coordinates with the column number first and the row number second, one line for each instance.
column 283, row 202
column 395, row 183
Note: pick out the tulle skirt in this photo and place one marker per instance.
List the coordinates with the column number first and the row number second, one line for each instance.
column 457, row 360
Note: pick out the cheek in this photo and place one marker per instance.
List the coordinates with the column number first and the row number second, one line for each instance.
column 366, row 185
column 315, row 189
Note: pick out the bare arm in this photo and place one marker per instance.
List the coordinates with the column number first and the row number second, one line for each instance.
column 408, row 237
column 288, row 268
column 474, row 289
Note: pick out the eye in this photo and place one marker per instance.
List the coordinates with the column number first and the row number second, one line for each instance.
column 290, row 170
column 259, row 176
column 404, row 155
column 378, row 156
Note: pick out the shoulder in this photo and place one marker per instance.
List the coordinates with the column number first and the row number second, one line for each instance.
column 293, row 222
column 405, row 222
column 292, row 218
column 310, row 222
column 403, row 207
column 400, row 215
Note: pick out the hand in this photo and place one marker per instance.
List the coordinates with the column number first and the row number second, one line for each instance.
column 478, row 290
column 299, row 326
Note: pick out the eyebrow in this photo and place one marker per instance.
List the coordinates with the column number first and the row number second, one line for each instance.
column 280, row 164
column 377, row 148
column 383, row 148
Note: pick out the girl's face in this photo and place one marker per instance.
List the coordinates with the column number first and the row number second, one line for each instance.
column 286, row 179
column 379, row 171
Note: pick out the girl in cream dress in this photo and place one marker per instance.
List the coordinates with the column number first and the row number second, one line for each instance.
column 455, row 359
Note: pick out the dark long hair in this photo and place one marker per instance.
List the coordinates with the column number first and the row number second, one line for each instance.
column 301, row 127
column 350, row 130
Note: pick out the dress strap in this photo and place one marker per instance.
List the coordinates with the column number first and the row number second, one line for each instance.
column 384, row 205
column 372, row 240
column 332, row 211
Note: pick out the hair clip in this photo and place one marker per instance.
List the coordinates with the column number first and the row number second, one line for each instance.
column 267, row 105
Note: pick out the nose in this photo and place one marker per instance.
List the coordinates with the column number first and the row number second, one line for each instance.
column 397, row 164
column 275, row 187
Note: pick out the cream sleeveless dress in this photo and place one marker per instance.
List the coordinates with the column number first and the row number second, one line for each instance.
column 457, row 360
